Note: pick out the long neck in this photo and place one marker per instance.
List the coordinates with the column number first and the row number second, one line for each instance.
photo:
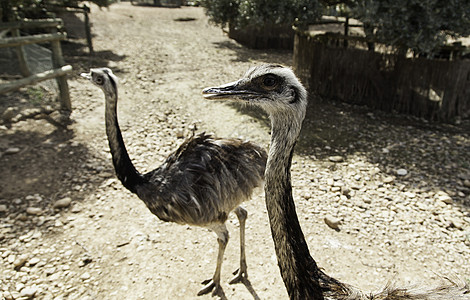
column 125, row 170
column 298, row 269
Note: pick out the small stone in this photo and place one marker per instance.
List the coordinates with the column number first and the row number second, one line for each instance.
column 388, row 179
column 179, row 134
column 466, row 183
column 9, row 113
column 85, row 276
column 3, row 208
column 20, row 261
column 336, row 158
column 444, row 197
column 330, row 181
column 7, row 295
column 457, row 223
column 332, row 222
column 28, row 292
column 11, row 258
column 33, row 211
column 33, row 261
column 63, row 203
column 12, row 150
column 346, row 191
column 402, row 172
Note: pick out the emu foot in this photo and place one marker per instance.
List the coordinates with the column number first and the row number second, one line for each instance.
column 210, row 285
column 239, row 276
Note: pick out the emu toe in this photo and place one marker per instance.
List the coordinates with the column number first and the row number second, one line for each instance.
column 240, row 275
column 210, row 285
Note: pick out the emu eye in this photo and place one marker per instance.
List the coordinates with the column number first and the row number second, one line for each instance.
column 100, row 80
column 269, row 81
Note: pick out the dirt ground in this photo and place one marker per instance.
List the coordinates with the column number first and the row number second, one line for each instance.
column 410, row 228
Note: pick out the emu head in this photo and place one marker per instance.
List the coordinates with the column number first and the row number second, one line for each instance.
column 274, row 88
column 103, row 78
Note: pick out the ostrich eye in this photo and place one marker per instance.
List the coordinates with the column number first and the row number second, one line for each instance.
column 269, row 81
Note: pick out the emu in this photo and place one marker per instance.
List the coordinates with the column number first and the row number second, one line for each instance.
column 277, row 90
column 199, row 184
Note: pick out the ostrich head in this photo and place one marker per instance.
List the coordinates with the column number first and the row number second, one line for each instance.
column 102, row 78
column 272, row 87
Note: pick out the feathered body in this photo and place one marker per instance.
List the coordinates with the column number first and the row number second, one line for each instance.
column 200, row 183
column 193, row 179
column 278, row 91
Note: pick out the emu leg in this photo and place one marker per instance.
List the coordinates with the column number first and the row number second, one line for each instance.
column 214, row 283
column 241, row 273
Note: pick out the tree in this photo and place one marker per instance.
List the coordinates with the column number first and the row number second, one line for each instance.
column 420, row 25
column 241, row 13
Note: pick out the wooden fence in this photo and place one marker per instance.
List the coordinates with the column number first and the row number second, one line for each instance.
column 431, row 89
column 59, row 71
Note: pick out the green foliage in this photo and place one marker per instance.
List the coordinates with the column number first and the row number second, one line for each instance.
column 241, row 13
column 221, row 12
column 419, row 25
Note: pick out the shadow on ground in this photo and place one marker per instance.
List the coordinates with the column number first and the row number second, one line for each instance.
column 45, row 167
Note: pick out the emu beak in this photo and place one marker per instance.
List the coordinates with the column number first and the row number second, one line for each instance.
column 227, row 91
column 86, row 75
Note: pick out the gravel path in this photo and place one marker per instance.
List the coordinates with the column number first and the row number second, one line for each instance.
column 380, row 198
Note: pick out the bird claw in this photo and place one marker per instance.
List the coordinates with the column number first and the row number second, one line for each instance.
column 210, row 286
column 239, row 276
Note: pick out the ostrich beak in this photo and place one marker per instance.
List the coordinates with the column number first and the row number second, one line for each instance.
column 86, row 75
column 229, row 91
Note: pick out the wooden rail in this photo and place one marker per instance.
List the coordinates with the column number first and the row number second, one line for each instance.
column 31, row 39
column 59, row 71
column 30, row 23
column 14, row 85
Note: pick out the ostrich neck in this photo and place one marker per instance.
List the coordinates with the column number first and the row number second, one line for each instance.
column 125, row 170
column 298, row 269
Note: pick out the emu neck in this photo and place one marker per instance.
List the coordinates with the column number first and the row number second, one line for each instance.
column 125, row 170
column 298, row 269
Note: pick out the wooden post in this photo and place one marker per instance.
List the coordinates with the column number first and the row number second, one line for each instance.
column 346, row 32
column 21, row 54
column 86, row 10
column 57, row 62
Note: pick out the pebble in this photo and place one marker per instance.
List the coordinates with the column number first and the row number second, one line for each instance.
column 33, row 261
column 9, row 113
column 402, row 172
column 389, row 179
column 20, row 261
column 336, row 158
column 3, row 208
column 33, row 211
column 444, row 197
column 62, row 203
column 85, row 276
column 332, row 222
column 28, row 292
column 12, row 150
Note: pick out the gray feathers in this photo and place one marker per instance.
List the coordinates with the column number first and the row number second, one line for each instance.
column 193, row 179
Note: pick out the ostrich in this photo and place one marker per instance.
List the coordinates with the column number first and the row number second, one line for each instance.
column 199, row 184
column 277, row 90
